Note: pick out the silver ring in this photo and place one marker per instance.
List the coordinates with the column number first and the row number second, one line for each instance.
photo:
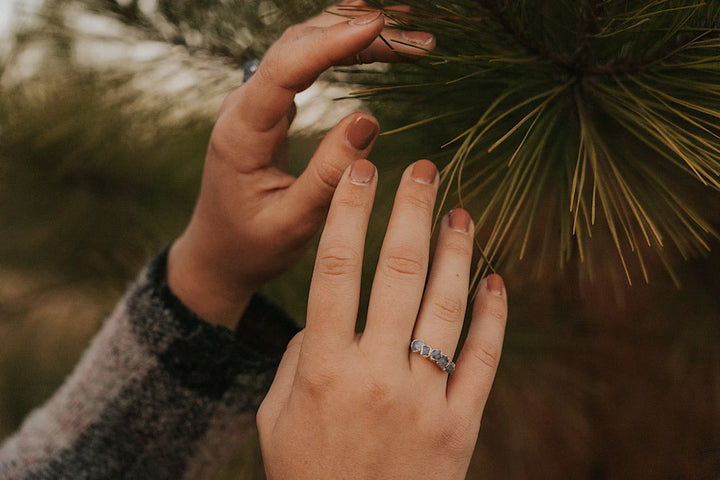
column 433, row 354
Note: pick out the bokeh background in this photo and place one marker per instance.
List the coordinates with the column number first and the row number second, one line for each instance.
column 105, row 111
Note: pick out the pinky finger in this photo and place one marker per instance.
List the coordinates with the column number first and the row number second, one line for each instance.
column 469, row 387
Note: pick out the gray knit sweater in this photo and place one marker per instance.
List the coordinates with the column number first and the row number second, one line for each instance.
column 159, row 394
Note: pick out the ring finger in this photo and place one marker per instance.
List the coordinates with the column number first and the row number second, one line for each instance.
column 443, row 306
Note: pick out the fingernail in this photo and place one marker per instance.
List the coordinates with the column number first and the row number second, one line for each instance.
column 366, row 19
column 361, row 133
column 362, row 172
column 460, row 220
column 422, row 39
column 495, row 284
column 424, row 171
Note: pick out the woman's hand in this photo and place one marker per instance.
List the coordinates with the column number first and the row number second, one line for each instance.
column 365, row 406
column 252, row 220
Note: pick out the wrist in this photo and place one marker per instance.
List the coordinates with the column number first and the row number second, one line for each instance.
column 204, row 283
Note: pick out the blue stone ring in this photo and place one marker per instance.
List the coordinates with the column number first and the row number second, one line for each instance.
column 250, row 68
column 433, row 354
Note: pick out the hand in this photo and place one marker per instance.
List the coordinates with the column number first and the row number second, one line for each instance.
column 252, row 220
column 365, row 407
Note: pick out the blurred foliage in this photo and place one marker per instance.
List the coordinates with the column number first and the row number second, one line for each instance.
column 81, row 178
column 238, row 30
column 99, row 167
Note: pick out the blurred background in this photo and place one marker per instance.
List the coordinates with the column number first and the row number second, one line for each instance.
column 105, row 111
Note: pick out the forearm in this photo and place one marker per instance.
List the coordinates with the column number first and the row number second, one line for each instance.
column 159, row 393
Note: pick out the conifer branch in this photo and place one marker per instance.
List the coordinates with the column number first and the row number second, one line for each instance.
column 630, row 124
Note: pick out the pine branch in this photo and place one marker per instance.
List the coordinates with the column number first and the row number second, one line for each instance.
column 595, row 116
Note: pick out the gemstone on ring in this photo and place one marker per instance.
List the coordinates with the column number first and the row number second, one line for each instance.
column 250, row 68
column 433, row 354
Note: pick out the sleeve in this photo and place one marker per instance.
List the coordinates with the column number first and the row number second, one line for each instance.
column 158, row 394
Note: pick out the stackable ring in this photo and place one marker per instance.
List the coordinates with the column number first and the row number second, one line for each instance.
column 433, row 354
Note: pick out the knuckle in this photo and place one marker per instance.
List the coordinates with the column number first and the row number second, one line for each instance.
column 456, row 441
column 328, row 175
column 494, row 309
column 378, row 392
column 350, row 200
column 417, row 201
column 318, row 382
column 461, row 247
column 447, row 308
column 497, row 314
column 404, row 264
column 386, row 397
column 337, row 261
column 486, row 354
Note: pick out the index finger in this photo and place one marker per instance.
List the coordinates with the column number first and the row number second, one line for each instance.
column 335, row 288
column 295, row 62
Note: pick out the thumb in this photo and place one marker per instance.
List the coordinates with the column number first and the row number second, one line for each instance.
column 279, row 392
column 306, row 201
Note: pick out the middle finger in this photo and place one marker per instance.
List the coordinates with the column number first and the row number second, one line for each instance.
column 335, row 287
column 402, row 267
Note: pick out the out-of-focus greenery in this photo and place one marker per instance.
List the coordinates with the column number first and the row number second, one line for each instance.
column 598, row 380
column 82, row 177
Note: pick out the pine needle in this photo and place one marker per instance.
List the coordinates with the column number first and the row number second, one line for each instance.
column 593, row 107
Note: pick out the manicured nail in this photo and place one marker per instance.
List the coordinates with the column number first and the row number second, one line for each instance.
column 495, row 284
column 366, row 19
column 460, row 220
column 424, row 171
column 361, row 133
column 362, row 172
column 422, row 39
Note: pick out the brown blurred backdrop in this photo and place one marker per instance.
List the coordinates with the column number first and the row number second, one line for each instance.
column 599, row 380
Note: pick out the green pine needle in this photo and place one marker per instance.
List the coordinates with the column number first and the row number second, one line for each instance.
column 564, row 119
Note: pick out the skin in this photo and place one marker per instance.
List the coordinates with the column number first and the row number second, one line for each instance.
column 342, row 405
column 252, row 220
column 363, row 406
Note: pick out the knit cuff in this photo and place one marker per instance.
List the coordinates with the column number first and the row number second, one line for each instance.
column 202, row 356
